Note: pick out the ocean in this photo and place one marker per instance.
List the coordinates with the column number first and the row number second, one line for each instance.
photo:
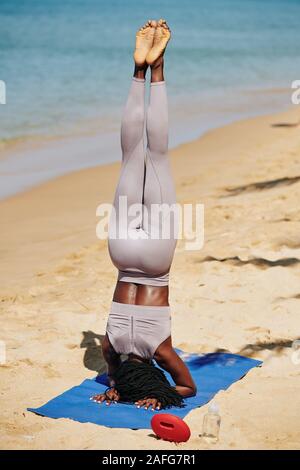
column 67, row 68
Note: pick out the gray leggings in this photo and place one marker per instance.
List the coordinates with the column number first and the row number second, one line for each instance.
column 145, row 179
column 138, row 329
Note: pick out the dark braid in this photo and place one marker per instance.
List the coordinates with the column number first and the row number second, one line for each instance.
column 138, row 380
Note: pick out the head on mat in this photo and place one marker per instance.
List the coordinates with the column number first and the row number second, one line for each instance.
column 143, row 333
column 139, row 322
column 135, row 381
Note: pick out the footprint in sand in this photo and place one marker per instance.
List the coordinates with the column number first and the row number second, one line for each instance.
column 50, row 372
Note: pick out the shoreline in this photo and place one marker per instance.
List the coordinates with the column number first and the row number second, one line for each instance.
column 239, row 293
column 29, row 161
column 110, row 170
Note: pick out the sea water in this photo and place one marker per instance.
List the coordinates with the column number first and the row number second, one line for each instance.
column 67, row 68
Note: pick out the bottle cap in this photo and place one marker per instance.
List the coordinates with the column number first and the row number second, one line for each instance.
column 213, row 408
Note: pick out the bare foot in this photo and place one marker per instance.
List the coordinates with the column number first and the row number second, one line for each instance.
column 144, row 42
column 161, row 39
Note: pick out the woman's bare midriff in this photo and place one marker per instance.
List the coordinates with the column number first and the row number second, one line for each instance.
column 140, row 294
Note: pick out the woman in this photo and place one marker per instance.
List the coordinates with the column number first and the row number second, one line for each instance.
column 139, row 320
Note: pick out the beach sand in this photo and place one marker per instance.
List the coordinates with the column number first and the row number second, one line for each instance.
column 239, row 293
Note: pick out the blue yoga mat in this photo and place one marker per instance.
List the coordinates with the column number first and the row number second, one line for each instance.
column 211, row 372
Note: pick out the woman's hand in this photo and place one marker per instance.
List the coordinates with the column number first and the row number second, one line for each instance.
column 111, row 396
column 147, row 403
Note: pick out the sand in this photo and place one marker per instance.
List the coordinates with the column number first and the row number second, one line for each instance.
column 239, row 293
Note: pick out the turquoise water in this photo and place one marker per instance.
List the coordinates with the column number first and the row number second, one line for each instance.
column 67, row 63
column 64, row 62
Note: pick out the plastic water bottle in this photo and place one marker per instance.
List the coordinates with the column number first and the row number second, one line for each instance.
column 211, row 424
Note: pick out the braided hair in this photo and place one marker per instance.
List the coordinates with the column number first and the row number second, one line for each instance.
column 138, row 380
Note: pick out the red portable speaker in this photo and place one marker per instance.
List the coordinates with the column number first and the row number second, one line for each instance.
column 170, row 428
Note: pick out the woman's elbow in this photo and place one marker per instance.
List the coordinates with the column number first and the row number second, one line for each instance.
column 187, row 391
column 193, row 390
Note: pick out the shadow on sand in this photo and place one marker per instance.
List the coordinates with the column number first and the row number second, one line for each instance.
column 93, row 358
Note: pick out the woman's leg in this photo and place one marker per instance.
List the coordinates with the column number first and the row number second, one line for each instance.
column 129, row 189
column 135, row 248
column 159, row 189
column 131, row 179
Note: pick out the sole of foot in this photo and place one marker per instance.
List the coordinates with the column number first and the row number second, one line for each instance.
column 161, row 38
column 144, row 42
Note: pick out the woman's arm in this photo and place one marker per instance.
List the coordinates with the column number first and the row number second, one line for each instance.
column 168, row 359
column 113, row 361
